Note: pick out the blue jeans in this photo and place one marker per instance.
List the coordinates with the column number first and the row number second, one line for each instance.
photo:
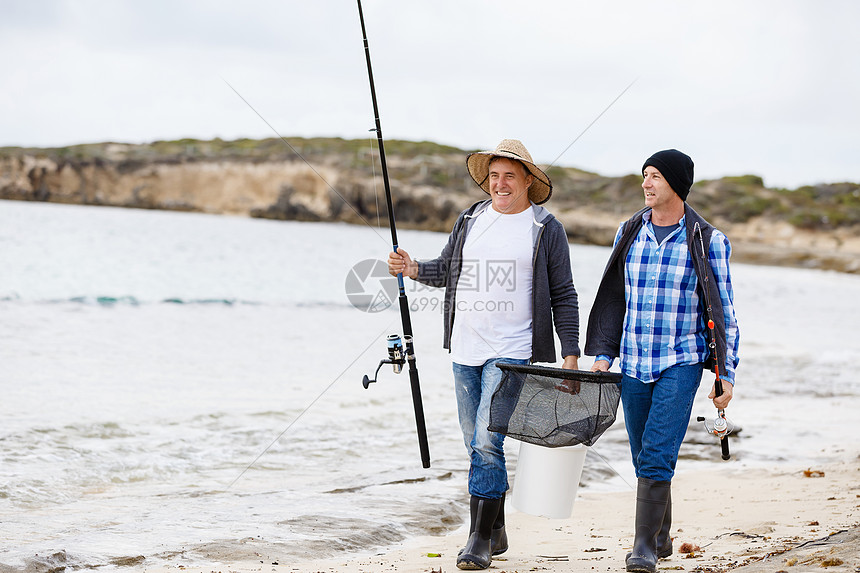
column 657, row 416
column 474, row 386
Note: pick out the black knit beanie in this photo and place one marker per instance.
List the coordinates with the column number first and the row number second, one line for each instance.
column 677, row 169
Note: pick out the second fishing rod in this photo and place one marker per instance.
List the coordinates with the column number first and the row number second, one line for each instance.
column 720, row 427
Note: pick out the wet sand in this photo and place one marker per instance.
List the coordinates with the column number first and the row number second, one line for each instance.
column 791, row 519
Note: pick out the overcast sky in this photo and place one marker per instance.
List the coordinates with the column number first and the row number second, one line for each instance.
column 766, row 87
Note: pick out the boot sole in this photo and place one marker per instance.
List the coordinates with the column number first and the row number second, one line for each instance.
column 641, row 567
column 469, row 565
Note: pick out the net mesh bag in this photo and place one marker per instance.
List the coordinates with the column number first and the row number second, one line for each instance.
column 554, row 407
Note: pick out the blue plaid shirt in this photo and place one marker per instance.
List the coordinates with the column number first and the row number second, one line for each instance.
column 665, row 323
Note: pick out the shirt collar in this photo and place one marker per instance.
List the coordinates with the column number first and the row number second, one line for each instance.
column 646, row 218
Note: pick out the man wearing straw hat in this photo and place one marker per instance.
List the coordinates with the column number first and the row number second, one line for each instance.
column 507, row 277
column 668, row 274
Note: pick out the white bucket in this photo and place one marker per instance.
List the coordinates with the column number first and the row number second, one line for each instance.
column 546, row 479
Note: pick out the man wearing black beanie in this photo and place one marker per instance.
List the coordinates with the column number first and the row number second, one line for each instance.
column 676, row 168
column 652, row 312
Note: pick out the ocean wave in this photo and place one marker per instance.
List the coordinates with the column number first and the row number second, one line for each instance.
column 210, row 301
column 110, row 301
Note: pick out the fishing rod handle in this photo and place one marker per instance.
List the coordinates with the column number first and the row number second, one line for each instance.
column 415, row 386
column 724, row 439
column 724, row 446
column 417, row 403
column 418, row 406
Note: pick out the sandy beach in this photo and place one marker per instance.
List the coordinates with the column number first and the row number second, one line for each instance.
column 783, row 518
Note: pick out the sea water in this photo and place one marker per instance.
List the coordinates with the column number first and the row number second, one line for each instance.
column 186, row 388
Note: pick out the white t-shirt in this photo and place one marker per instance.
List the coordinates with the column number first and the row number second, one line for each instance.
column 493, row 312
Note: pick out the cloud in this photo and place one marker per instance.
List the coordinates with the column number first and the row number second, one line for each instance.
column 767, row 87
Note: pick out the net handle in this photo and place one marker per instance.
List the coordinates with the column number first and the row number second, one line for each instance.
column 563, row 373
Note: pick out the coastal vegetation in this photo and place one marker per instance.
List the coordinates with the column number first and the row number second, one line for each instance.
column 335, row 179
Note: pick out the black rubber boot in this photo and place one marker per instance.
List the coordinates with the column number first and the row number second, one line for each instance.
column 477, row 554
column 651, row 500
column 499, row 537
column 664, row 539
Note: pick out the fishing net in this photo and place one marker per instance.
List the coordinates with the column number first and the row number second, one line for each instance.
column 554, row 407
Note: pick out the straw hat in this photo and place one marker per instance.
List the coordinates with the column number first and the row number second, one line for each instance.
column 478, row 164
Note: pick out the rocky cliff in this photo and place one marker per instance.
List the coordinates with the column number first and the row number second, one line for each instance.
column 339, row 180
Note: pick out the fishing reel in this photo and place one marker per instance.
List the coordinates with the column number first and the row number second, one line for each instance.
column 720, row 427
column 396, row 357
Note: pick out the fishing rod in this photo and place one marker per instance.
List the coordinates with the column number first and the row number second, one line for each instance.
column 720, row 426
column 398, row 352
